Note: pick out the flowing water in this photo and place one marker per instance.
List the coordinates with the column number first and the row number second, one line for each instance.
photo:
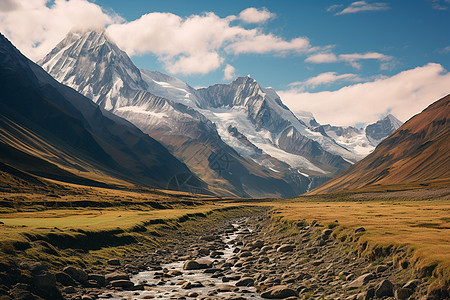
column 204, row 283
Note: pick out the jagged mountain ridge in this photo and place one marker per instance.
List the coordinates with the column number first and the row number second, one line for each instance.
column 361, row 141
column 416, row 153
column 182, row 129
column 51, row 131
column 378, row 131
column 272, row 142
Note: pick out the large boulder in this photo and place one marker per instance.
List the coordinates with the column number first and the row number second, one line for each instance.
column 64, row 279
column 198, row 264
column 403, row 293
column 33, row 267
column 98, row 278
column 245, row 281
column 44, row 280
column 76, row 273
column 384, row 289
column 360, row 281
column 279, row 292
column 122, row 283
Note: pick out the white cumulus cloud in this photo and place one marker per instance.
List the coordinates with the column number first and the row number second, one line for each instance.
column 254, row 42
column 404, row 95
column 229, row 72
column 253, row 15
column 36, row 26
column 197, row 44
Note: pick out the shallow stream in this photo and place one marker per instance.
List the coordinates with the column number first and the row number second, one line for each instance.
column 156, row 288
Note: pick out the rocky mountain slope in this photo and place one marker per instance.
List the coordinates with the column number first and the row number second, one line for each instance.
column 418, row 152
column 237, row 137
column 360, row 141
column 51, row 131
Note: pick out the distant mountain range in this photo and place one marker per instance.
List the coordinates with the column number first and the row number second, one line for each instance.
column 238, row 138
column 417, row 153
column 49, row 130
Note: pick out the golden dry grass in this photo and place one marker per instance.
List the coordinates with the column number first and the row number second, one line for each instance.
column 422, row 226
column 15, row 224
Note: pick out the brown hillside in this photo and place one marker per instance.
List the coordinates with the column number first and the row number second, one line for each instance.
column 417, row 152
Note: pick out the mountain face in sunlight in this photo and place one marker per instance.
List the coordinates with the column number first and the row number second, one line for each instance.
column 264, row 149
column 417, row 152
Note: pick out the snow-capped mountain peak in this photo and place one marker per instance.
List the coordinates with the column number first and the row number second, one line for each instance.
column 92, row 64
column 363, row 141
column 240, row 120
column 378, row 131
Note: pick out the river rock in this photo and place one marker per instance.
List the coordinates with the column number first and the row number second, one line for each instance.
column 204, row 263
column 245, row 254
column 76, row 273
column 256, row 244
column 381, row 268
column 360, row 281
column 191, row 265
column 64, row 279
column 203, row 251
column 98, row 278
column 34, row 267
column 201, row 263
column 367, row 295
column 227, row 288
column 266, row 248
column 403, row 293
column 278, row 292
column 122, row 283
column 286, row 248
column 245, row 281
column 116, row 276
column 44, row 280
column 384, row 288
column 174, row 273
column 360, row 229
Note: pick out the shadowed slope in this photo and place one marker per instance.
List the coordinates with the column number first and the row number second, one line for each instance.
column 49, row 130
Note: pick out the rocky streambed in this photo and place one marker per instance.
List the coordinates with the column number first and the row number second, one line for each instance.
column 245, row 258
column 208, row 272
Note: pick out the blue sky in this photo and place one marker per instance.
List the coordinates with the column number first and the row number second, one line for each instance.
column 347, row 62
column 412, row 32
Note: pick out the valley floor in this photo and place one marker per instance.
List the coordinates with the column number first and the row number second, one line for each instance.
column 351, row 246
